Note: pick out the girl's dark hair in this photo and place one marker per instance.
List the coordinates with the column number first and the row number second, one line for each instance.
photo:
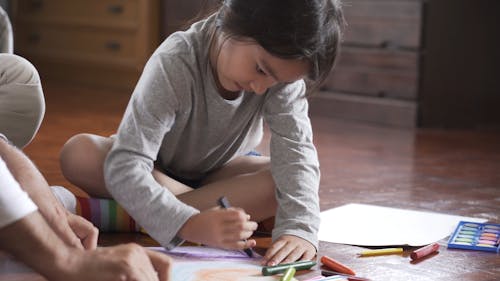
column 288, row 29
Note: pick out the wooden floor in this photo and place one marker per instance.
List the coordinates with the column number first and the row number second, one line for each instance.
column 454, row 172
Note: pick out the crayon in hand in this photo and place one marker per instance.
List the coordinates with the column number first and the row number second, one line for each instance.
column 224, row 203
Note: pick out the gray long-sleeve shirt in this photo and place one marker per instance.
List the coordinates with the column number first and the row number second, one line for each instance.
column 177, row 117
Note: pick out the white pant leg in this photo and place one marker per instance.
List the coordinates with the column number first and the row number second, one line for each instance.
column 22, row 104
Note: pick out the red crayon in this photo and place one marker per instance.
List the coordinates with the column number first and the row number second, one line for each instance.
column 424, row 251
column 336, row 266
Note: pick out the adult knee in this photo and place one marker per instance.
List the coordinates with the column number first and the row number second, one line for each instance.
column 22, row 104
column 17, row 70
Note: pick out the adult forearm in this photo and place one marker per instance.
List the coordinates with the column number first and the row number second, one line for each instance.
column 30, row 179
column 31, row 241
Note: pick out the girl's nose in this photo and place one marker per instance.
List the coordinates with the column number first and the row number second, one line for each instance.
column 260, row 86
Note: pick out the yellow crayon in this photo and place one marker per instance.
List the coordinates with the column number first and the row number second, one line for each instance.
column 288, row 276
column 378, row 252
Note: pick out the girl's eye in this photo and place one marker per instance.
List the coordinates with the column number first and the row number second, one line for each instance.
column 260, row 71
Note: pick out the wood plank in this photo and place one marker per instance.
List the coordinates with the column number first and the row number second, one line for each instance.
column 379, row 111
column 383, row 23
column 376, row 72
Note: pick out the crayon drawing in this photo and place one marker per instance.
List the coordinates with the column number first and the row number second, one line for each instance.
column 184, row 270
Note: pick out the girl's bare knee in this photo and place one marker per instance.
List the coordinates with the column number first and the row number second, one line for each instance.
column 72, row 152
column 81, row 157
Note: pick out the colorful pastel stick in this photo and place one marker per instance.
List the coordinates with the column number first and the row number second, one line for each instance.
column 290, row 272
column 280, row 268
column 378, row 252
column 336, row 266
column 424, row 251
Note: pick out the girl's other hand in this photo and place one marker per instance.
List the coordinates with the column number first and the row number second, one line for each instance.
column 223, row 228
column 288, row 248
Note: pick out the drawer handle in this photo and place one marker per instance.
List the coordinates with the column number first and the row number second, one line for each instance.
column 113, row 46
column 115, row 9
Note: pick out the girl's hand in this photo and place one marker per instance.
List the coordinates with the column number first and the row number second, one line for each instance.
column 288, row 248
column 223, row 228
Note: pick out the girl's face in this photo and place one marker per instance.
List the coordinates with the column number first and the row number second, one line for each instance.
column 245, row 65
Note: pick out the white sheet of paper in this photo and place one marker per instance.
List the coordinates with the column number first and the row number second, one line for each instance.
column 369, row 225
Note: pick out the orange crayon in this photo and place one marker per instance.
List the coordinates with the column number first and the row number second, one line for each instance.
column 336, row 266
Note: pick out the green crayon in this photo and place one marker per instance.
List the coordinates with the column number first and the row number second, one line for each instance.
column 280, row 268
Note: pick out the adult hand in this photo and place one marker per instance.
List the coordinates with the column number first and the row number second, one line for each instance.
column 224, row 228
column 123, row 262
column 72, row 229
column 86, row 232
column 288, row 248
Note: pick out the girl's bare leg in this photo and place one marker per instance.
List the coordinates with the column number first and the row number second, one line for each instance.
column 82, row 162
column 246, row 181
column 82, row 159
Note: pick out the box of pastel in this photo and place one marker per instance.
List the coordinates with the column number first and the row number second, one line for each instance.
column 476, row 236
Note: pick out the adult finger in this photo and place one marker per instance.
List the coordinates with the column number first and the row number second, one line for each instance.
column 63, row 230
column 85, row 231
column 161, row 263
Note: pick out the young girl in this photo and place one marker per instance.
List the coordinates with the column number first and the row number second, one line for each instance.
column 196, row 115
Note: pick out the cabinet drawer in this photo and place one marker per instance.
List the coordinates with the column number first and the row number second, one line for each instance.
column 375, row 72
column 383, row 23
column 83, row 43
column 77, row 11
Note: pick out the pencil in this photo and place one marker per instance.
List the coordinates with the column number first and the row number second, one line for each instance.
column 336, row 266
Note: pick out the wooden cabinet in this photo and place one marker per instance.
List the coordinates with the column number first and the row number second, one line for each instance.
column 177, row 15
column 377, row 73
column 95, row 42
column 417, row 63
